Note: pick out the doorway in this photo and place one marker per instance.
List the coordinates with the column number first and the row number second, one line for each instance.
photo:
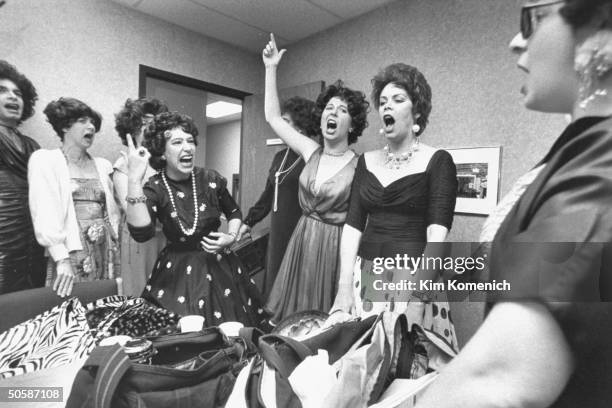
column 216, row 111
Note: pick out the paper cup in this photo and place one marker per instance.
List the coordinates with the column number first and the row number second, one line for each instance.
column 231, row 329
column 191, row 323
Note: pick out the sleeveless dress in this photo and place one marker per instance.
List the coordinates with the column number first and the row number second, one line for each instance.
column 394, row 221
column 308, row 276
column 186, row 279
column 22, row 264
column 98, row 259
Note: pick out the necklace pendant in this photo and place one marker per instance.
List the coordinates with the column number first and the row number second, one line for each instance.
column 173, row 214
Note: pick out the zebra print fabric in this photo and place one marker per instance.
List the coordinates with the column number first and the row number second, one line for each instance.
column 54, row 338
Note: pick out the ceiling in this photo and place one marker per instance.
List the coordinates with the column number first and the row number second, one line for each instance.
column 247, row 23
column 213, row 97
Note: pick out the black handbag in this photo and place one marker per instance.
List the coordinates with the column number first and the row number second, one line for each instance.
column 189, row 370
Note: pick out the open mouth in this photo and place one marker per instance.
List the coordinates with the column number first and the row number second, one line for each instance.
column 88, row 136
column 186, row 160
column 389, row 121
column 12, row 107
column 331, row 124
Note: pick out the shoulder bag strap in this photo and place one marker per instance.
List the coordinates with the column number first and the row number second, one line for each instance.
column 271, row 356
column 112, row 363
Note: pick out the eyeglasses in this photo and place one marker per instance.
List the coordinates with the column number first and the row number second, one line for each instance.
column 531, row 16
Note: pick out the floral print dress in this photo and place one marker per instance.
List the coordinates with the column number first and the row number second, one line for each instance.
column 186, row 279
column 98, row 259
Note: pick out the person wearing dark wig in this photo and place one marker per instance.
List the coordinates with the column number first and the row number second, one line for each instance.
column 281, row 192
column 72, row 202
column 137, row 259
column 21, row 258
column 546, row 342
column 308, row 275
column 194, row 274
column 402, row 203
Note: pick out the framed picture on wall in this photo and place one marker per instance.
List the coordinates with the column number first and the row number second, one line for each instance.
column 478, row 176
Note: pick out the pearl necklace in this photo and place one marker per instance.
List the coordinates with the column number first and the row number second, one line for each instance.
column 397, row 160
column 174, row 213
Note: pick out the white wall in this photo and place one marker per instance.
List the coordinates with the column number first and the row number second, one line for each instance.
column 91, row 49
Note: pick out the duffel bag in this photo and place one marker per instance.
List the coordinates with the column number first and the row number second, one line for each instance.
column 188, row 370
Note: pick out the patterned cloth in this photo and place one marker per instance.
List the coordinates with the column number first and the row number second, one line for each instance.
column 134, row 317
column 54, row 338
column 494, row 220
column 99, row 258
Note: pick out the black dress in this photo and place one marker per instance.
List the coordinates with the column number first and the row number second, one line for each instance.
column 394, row 221
column 22, row 263
column 186, row 279
column 555, row 247
column 285, row 218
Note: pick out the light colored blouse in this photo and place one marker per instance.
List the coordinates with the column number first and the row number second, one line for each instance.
column 53, row 215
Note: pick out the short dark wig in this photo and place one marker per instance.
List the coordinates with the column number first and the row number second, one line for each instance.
column 579, row 12
column 301, row 111
column 62, row 114
column 357, row 104
column 155, row 135
column 129, row 119
column 28, row 92
column 413, row 82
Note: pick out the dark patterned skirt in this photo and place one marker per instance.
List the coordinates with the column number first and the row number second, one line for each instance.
column 194, row 282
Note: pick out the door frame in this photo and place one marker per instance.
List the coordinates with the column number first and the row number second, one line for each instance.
column 145, row 71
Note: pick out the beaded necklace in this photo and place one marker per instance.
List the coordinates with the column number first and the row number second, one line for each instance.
column 174, row 214
column 397, row 160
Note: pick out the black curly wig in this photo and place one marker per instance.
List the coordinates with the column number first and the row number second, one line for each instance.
column 129, row 119
column 301, row 111
column 357, row 104
column 413, row 82
column 62, row 114
column 155, row 137
column 28, row 92
column 579, row 12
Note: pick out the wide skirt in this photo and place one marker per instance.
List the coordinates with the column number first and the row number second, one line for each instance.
column 194, row 282
column 434, row 316
column 308, row 276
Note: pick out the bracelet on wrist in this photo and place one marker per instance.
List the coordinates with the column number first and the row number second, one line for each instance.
column 136, row 200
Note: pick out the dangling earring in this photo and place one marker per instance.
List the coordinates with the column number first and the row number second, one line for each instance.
column 593, row 62
column 416, row 128
column 415, row 146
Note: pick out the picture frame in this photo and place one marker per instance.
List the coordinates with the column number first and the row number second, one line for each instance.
column 478, row 177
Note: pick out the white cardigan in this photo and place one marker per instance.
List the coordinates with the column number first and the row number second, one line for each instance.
column 53, row 215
